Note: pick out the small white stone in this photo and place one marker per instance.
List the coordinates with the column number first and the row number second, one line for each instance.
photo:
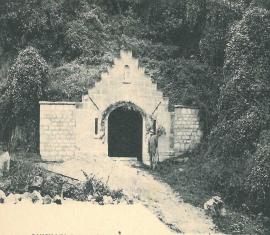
column 13, row 198
column 215, row 207
column 107, row 200
column 47, row 200
column 57, row 200
column 36, row 197
column 2, row 197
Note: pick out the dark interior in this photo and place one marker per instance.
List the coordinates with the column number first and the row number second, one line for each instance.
column 125, row 133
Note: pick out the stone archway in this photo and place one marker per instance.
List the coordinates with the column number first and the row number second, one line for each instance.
column 133, row 108
column 125, row 133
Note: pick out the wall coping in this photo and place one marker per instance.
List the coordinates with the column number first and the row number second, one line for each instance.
column 57, row 103
column 185, row 106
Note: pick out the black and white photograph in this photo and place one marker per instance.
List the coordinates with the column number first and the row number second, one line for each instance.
column 134, row 117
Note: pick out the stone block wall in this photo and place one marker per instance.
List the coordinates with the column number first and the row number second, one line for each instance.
column 57, row 130
column 187, row 132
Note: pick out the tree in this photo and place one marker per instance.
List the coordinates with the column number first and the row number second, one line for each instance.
column 27, row 81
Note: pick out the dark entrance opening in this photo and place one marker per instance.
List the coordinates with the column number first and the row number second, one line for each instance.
column 125, row 133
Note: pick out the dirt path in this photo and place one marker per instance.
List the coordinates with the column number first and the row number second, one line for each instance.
column 140, row 185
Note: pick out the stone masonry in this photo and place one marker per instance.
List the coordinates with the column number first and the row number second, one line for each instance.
column 187, row 133
column 57, row 130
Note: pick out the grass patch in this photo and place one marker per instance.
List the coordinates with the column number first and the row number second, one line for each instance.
column 187, row 179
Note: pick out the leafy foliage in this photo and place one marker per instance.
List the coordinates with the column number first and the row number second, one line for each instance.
column 243, row 107
column 71, row 81
column 258, row 180
column 213, row 41
column 27, row 81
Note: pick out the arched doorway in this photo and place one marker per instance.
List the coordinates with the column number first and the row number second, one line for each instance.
column 125, row 133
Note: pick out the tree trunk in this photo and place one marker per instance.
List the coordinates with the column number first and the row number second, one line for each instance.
column 18, row 139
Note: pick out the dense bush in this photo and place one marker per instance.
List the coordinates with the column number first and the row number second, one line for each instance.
column 70, row 81
column 243, row 108
column 257, row 183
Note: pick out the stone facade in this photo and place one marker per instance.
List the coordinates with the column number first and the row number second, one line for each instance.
column 57, row 130
column 69, row 130
column 187, row 132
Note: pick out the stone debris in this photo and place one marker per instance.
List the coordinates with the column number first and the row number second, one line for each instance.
column 122, row 201
column 130, row 201
column 107, row 200
column 102, row 200
column 57, row 200
column 89, row 198
column 47, row 199
column 93, row 201
column 36, row 197
column 26, row 197
column 13, row 198
column 2, row 197
column 214, row 207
